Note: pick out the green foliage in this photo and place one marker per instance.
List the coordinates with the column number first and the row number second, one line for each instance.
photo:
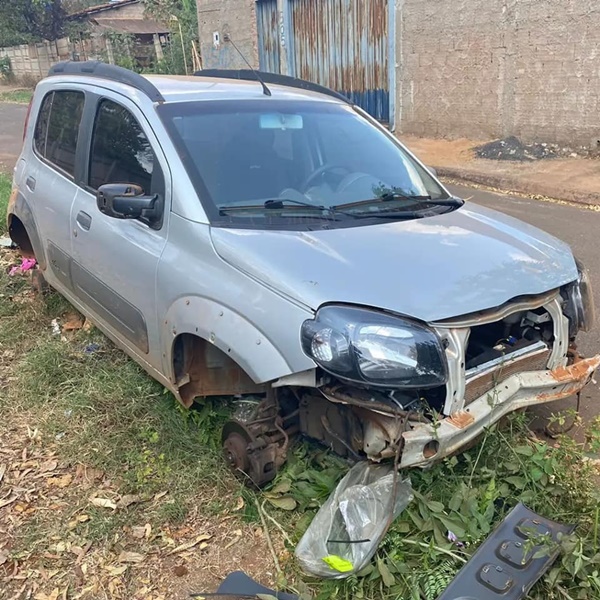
column 5, row 187
column 122, row 45
column 22, row 96
column 457, row 505
column 6, row 72
column 182, row 17
column 27, row 21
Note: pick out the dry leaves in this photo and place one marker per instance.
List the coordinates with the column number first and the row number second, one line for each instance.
column 104, row 503
column 187, row 546
column 130, row 557
column 60, row 482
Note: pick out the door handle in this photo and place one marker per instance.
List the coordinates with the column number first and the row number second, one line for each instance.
column 30, row 183
column 84, row 220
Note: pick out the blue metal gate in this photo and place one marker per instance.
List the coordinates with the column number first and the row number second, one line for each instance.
column 344, row 45
column 269, row 49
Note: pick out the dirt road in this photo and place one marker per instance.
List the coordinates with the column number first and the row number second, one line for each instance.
column 12, row 119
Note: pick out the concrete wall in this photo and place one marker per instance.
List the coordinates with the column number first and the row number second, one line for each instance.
column 491, row 68
column 235, row 17
column 469, row 68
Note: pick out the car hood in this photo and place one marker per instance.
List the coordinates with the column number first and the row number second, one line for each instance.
column 431, row 269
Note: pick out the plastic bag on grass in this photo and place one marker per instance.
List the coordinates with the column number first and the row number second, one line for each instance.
column 347, row 530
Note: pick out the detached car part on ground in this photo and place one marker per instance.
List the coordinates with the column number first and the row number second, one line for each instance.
column 288, row 250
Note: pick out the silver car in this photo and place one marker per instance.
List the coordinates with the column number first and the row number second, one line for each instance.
column 270, row 241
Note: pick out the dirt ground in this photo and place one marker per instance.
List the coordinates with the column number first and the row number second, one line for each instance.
column 572, row 179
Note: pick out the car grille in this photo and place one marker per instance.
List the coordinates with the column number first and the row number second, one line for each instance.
column 483, row 381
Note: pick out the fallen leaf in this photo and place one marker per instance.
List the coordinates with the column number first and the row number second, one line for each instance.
column 180, row 570
column 283, row 487
column 240, row 503
column 159, row 495
column 103, row 503
column 284, row 503
column 201, row 538
column 73, row 323
column 128, row 500
column 116, row 571
column 52, row 596
column 87, row 325
column 131, row 557
column 8, row 501
column 138, row 532
column 2, row 471
column 61, row 482
column 83, row 518
column 3, row 556
column 49, row 465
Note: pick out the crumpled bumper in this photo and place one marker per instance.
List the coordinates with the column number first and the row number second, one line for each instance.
column 425, row 444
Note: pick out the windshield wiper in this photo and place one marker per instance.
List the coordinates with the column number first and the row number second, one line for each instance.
column 451, row 202
column 279, row 204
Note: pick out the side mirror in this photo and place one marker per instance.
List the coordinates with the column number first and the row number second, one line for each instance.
column 432, row 171
column 126, row 201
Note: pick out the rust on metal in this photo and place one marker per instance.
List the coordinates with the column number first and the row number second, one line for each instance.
column 461, row 419
column 209, row 372
column 579, row 370
column 344, row 45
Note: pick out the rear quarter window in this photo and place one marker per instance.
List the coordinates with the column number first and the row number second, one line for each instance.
column 57, row 128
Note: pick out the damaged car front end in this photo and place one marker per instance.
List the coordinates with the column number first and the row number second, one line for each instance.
column 387, row 387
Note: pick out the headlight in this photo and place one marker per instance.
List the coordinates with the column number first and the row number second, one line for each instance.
column 367, row 346
column 579, row 306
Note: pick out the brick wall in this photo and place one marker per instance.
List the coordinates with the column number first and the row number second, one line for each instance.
column 491, row 68
column 238, row 19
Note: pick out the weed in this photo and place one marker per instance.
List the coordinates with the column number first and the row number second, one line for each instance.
column 17, row 96
column 5, row 187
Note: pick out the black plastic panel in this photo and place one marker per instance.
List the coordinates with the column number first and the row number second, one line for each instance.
column 96, row 68
column 503, row 566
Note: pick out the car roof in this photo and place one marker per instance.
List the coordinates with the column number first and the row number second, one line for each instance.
column 182, row 88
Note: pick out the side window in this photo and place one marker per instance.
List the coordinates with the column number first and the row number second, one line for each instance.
column 57, row 128
column 121, row 152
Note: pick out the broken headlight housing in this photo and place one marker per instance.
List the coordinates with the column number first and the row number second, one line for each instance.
column 371, row 347
column 579, row 305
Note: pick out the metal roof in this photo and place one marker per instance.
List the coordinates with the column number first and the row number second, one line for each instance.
column 139, row 26
column 92, row 10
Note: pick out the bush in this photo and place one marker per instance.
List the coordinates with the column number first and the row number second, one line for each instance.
column 6, row 72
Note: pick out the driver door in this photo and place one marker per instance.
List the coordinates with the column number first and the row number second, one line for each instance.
column 115, row 260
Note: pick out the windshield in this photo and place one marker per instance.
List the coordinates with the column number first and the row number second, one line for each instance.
column 282, row 160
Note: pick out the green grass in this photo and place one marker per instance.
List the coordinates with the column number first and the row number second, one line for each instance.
column 17, row 96
column 5, row 187
column 103, row 411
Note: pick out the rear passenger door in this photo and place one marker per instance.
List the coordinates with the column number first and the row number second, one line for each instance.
column 50, row 181
column 115, row 260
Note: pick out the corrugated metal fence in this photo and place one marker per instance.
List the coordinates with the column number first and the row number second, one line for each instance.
column 269, row 49
column 344, row 44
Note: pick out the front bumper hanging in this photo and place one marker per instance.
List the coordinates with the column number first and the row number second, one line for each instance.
column 425, row 443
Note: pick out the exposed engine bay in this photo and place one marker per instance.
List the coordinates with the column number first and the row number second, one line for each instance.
column 517, row 355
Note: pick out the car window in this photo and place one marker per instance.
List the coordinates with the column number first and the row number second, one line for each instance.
column 57, row 128
column 305, row 153
column 121, row 152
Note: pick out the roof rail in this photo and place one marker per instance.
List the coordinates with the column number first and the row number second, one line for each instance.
column 96, row 68
column 274, row 78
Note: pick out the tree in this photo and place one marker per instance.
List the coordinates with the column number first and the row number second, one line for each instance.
column 27, row 21
column 182, row 17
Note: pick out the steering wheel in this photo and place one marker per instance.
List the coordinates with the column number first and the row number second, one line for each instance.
column 327, row 167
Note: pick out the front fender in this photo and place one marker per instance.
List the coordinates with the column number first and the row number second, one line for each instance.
column 227, row 330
